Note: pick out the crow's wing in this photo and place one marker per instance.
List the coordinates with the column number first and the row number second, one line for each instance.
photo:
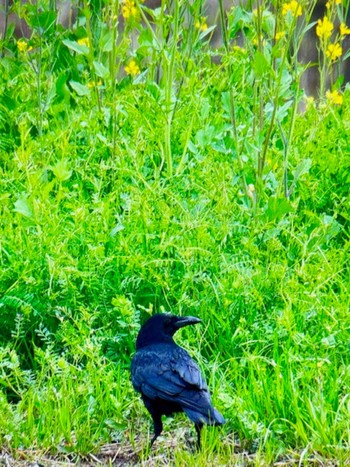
column 167, row 372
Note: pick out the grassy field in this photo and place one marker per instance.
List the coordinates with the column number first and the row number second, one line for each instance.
column 165, row 176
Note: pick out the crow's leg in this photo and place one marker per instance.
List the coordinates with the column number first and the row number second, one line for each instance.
column 198, row 427
column 158, row 427
column 156, row 417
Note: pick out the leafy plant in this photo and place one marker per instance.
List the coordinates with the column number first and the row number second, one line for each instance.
column 146, row 177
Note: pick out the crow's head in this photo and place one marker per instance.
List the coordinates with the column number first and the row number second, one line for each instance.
column 161, row 328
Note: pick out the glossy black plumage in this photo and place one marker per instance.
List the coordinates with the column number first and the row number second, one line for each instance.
column 166, row 376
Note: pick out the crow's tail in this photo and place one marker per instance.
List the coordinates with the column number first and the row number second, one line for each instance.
column 213, row 417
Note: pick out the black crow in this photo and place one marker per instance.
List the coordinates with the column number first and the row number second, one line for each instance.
column 166, row 376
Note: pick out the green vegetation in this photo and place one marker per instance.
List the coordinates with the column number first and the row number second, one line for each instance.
column 186, row 186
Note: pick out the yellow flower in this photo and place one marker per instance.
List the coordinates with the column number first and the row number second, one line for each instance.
column 332, row 2
column 279, row 35
column 343, row 29
column 256, row 41
column 334, row 51
column 324, row 28
column 334, row 97
column 201, row 24
column 84, row 41
column 22, row 45
column 239, row 49
column 94, row 84
column 309, row 102
column 132, row 68
column 129, row 9
column 293, row 7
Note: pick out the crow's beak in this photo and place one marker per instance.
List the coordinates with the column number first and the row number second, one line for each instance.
column 186, row 320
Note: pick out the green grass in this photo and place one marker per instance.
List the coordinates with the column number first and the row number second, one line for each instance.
column 193, row 188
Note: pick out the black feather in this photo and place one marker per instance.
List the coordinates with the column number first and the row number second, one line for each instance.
column 167, row 377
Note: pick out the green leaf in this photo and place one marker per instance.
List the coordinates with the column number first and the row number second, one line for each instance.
column 101, row 70
column 62, row 90
column 22, row 207
column 78, row 48
column 116, row 229
column 79, row 88
column 302, row 168
column 260, row 65
column 106, row 42
column 269, row 23
column 277, row 207
column 43, row 21
column 225, row 99
column 61, row 170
